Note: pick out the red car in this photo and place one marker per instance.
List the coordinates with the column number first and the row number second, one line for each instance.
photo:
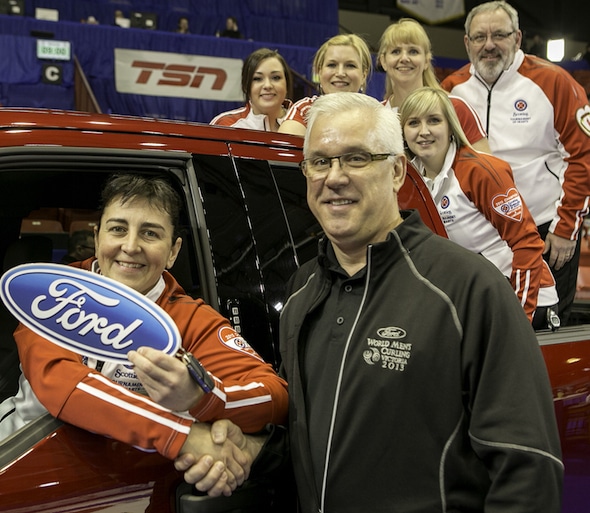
column 246, row 227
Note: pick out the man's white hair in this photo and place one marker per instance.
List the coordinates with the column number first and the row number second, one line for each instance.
column 490, row 7
column 386, row 132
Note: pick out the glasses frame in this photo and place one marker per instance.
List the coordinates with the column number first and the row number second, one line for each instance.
column 496, row 37
column 305, row 168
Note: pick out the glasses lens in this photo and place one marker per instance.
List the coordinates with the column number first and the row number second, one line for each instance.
column 496, row 37
column 357, row 159
column 319, row 164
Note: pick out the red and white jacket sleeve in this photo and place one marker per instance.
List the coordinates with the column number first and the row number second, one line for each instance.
column 81, row 396
column 572, row 123
column 248, row 391
column 298, row 111
column 231, row 117
column 470, row 122
column 490, row 186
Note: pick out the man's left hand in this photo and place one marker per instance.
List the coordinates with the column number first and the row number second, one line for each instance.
column 560, row 250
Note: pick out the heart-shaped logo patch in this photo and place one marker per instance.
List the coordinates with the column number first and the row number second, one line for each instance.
column 509, row 205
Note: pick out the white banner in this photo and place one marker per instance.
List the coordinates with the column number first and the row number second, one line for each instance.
column 178, row 75
column 433, row 11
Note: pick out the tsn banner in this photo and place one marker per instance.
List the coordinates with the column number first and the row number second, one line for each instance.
column 178, row 75
column 433, row 11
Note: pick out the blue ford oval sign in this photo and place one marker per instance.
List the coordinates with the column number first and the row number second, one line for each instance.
column 85, row 312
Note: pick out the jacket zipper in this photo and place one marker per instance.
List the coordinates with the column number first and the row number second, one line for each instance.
column 339, row 382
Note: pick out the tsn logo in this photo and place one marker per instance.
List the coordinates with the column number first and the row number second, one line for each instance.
column 178, row 75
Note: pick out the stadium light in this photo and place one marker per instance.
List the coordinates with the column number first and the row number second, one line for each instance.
column 555, row 49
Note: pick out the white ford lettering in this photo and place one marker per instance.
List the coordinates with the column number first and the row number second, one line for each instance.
column 73, row 318
column 86, row 313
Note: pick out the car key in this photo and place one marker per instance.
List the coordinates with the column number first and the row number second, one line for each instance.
column 196, row 370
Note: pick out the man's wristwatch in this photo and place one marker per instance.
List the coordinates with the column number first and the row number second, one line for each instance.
column 196, row 370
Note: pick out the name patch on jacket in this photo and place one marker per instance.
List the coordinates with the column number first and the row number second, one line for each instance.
column 389, row 349
column 509, row 205
column 85, row 312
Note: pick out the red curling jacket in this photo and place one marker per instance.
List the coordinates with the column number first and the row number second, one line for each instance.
column 248, row 391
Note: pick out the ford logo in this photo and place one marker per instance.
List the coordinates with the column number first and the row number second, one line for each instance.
column 85, row 312
column 391, row 332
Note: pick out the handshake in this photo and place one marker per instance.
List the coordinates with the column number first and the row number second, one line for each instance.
column 217, row 457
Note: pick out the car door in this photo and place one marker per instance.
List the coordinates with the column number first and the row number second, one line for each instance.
column 253, row 242
column 48, row 465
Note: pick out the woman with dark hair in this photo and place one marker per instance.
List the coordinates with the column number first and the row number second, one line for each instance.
column 267, row 84
column 152, row 402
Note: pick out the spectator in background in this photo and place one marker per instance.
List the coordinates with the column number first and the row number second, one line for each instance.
column 120, row 20
column 80, row 247
column 586, row 55
column 405, row 54
column 183, row 26
column 342, row 64
column 477, row 201
column 267, row 84
column 231, row 29
column 537, row 118
column 538, row 47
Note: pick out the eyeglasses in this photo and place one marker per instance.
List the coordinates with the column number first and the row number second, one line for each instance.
column 318, row 167
column 497, row 37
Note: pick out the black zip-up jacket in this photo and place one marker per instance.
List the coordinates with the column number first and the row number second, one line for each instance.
column 444, row 403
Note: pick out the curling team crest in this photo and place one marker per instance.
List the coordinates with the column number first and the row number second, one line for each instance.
column 231, row 339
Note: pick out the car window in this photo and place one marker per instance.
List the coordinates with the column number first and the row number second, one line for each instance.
column 259, row 230
column 276, row 246
column 41, row 202
column 304, row 229
column 228, row 188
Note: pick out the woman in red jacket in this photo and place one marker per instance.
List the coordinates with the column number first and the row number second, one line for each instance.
column 152, row 402
column 267, row 84
column 478, row 201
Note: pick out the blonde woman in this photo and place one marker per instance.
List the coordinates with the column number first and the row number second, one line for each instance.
column 478, row 201
column 341, row 64
column 405, row 55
